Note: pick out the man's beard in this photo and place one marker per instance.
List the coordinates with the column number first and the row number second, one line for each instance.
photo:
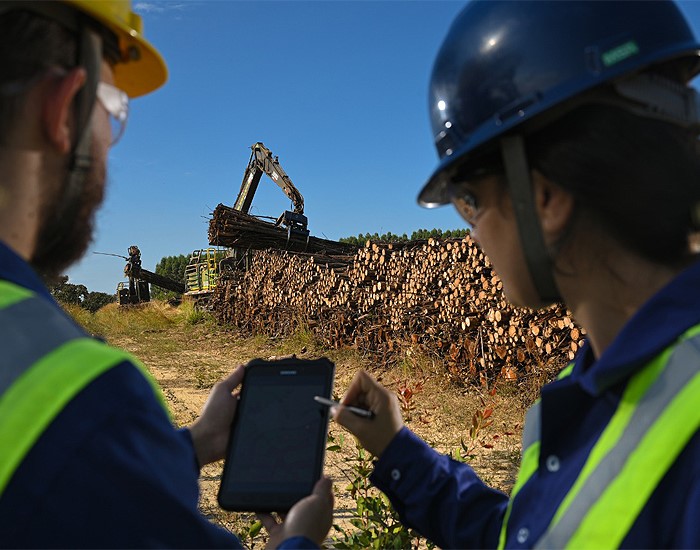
column 69, row 238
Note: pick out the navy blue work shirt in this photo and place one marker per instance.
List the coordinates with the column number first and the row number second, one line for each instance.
column 445, row 500
column 110, row 471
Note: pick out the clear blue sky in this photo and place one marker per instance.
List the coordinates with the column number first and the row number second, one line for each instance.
column 338, row 90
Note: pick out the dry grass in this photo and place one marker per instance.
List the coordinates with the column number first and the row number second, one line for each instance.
column 188, row 352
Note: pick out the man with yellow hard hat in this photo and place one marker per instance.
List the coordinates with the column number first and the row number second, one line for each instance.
column 88, row 456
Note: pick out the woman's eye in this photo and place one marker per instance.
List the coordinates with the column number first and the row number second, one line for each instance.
column 470, row 200
column 464, row 200
column 467, row 205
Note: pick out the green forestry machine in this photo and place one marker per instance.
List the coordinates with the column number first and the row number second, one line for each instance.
column 206, row 266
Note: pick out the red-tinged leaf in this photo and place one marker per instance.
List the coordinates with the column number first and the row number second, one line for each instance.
column 493, row 391
column 487, row 445
column 488, row 413
column 496, row 436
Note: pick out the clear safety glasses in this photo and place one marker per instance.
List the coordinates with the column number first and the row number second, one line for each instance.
column 465, row 189
column 116, row 103
column 465, row 202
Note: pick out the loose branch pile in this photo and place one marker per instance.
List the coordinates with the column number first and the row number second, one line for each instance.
column 231, row 228
column 437, row 297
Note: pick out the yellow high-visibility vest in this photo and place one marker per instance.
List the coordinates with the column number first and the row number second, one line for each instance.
column 45, row 362
column 656, row 417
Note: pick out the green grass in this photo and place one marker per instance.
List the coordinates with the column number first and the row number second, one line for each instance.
column 115, row 320
column 84, row 318
column 206, row 375
column 301, row 341
column 134, row 320
column 192, row 315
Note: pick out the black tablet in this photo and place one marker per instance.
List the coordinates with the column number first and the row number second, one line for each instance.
column 278, row 437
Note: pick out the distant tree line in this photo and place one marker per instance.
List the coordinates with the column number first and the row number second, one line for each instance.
column 419, row 235
column 78, row 295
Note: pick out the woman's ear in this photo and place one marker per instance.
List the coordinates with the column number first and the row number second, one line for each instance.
column 555, row 206
column 57, row 112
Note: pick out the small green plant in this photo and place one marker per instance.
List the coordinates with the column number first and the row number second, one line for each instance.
column 250, row 533
column 196, row 316
column 481, row 420
column 406, row 394
column 191, row 314
column 301, row 341
column 376, row 524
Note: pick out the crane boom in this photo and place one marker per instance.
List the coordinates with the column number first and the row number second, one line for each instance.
column 163, row 282
column 263, row 162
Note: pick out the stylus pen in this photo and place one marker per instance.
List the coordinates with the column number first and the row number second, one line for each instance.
column 364, row 413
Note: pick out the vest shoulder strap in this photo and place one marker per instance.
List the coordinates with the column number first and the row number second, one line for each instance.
column 48, row 362
column 656, row 417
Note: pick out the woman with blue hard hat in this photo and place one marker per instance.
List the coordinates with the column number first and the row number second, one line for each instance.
column 89, row 457
column 567, row 134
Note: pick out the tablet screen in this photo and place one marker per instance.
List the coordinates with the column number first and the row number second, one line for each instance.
column 278, row 439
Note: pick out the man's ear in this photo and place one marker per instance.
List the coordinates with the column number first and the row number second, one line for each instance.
column 57, row 114
column 555, row 205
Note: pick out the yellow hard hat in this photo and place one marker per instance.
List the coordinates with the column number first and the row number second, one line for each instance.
column 142, row 69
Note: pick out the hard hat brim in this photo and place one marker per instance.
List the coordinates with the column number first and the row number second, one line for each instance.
column 434, row 193
column 143, row 76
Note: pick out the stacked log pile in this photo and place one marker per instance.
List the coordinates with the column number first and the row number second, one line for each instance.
column 390, row 300
column 234, row 229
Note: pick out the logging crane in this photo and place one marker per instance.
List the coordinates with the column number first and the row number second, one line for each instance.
column 205, row 266
column 137, row 290
column 263, row 162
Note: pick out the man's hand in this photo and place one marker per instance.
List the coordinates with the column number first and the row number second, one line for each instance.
column 210, row 432
column 311, row 517
column 376, row 433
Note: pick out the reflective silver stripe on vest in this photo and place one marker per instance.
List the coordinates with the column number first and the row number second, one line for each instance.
column 531, row 430
column 682, row 366
column 30, row 329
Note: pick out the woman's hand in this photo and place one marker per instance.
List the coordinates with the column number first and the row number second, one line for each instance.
column 311, row 517
column 210, row 432
column 376, row 433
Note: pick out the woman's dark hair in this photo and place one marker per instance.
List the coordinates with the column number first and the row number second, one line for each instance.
column 639, row 178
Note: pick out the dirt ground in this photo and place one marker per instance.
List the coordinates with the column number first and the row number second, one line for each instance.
column 187, row 360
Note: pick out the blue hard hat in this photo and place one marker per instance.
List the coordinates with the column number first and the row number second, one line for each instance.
column 510, row 66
